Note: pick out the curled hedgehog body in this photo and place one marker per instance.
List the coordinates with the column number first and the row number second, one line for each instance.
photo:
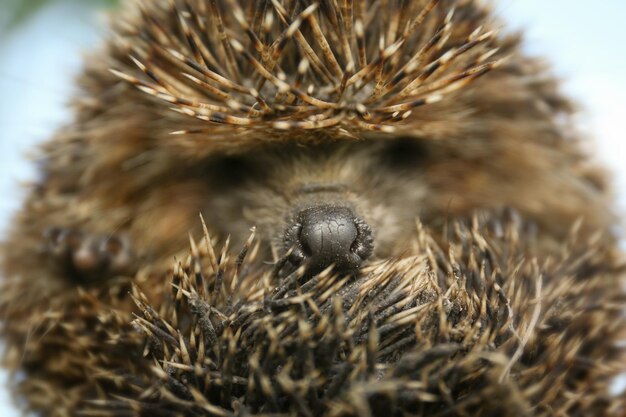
column 428, row 235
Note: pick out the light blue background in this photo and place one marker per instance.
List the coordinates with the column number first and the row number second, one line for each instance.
column 586, row 42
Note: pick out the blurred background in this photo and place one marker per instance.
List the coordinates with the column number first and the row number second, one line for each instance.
column 41, row 45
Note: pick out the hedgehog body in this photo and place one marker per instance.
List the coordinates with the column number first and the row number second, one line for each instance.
column 358, row 140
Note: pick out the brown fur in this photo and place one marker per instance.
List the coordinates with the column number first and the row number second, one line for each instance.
column 501, row 141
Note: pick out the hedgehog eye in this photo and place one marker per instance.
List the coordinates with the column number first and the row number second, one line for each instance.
column 403, row 153
column 231, row 170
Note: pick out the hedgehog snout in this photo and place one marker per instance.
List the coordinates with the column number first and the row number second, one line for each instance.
column 327, row 235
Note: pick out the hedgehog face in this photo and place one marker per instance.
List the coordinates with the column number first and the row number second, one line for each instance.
column 326, row 203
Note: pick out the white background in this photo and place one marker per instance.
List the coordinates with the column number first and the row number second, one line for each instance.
column 584, row 40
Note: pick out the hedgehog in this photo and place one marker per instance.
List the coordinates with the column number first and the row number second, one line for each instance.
column 417, row 228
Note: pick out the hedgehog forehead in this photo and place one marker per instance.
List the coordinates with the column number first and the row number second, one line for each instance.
column 285, row 66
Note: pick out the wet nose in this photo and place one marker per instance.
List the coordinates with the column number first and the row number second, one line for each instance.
column 330, row 235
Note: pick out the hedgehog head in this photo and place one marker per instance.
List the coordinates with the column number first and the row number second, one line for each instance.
column 333, row 127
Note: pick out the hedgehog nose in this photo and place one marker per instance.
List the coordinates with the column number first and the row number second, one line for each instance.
column 330, row 235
